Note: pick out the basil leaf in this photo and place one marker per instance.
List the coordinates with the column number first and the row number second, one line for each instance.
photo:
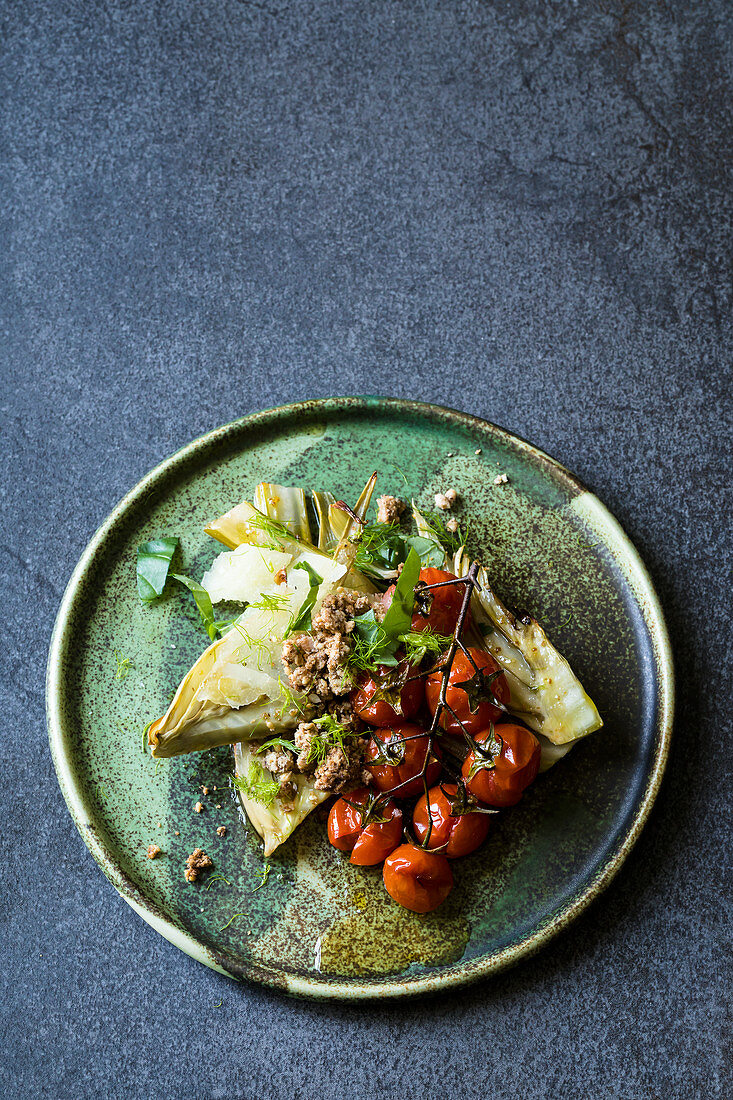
column 203, row 603
column 376, row 643
column 153, row 563
column 302, row 621
column 371, row 644
column 381, row 548
column 430, row 551
column 398, row 619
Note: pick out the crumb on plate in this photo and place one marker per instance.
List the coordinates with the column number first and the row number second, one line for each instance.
column 197, row 862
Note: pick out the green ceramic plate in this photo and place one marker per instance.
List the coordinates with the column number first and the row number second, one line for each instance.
column 318, row 926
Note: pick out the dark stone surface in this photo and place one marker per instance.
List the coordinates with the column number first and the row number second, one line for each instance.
column 520, row 209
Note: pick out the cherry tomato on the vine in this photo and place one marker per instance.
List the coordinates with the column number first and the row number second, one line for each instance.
column 438, row 608
column 417, row 879
column 369, row 830
column 506, row 762
column 396, row 754
column 456, row 834
column 471, row 694
column 386, row 696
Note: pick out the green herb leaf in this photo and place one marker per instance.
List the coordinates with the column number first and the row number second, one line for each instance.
column 418, row 643
column 222, row 625
column 233, row 918
column 203, row 603
column 264, row 875
column 451, row 541
column 330, row 735
column 399, row 613
column 302, row 620
column 370, row 644
column 381, row 549
column 277, row 743
column 153, row 563
column 376, row 643
column 291, row 701
column 431, row 552
column 258, row 784
column 124, row 664
column 276, row 530
column 271, row 602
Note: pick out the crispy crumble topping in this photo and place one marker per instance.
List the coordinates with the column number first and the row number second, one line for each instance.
column 315, row 661
column 196, row 864
column 390, row 509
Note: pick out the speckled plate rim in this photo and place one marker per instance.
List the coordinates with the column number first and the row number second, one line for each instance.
column 627, row 560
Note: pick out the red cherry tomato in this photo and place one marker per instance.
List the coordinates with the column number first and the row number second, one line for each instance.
column 416, row 879
column 370, row 832
column 444, row 603
column 515, row 765
column 437, row 608
column 475, row 709
column 384, row 697
column 395, row 755
column 460, row 834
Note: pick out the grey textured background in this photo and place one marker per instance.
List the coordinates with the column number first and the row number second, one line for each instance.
column 519, row 209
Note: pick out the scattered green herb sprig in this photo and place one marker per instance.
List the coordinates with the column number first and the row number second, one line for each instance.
column 257, row 784
column 302, row 620
column 276, row 530
column 419, row 643
column 330, row 734
column 451, row 541
column 153, row 562
column 375, row 643
column 290, row 700
column 277, row 743
column 264, row 874
column 124, row 664
column 381, row 548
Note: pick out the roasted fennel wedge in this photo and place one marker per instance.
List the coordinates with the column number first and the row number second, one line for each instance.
column 272, row 821
column 544, row 691
column 237, row 689
column 279, row 519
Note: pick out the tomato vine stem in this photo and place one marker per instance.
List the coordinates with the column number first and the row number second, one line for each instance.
column 470, row 583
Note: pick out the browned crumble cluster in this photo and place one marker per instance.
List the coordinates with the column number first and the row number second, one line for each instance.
column 281, row 762
column 390, row 509
column 196, row 863
column 340, row 768
column 315, row 662
column 446, row 500
column 153, row 851
column 221, row 831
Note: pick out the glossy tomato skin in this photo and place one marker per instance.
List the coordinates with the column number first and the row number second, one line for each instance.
column 407, row 743
column 416, row 879
column 462, row 670
column 380, row 712
column 446, row 603
column 460, row 835
column 516, row 766
column 371, row 843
